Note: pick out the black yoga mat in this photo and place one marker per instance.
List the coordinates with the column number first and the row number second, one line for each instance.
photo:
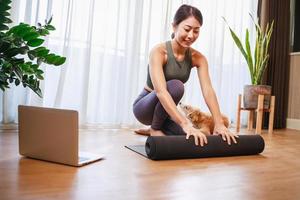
column 177, row 147
column 140, row 149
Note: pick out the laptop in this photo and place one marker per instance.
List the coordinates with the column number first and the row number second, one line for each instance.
column 51, row 134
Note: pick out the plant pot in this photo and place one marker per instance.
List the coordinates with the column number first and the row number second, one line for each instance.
column 251, row 93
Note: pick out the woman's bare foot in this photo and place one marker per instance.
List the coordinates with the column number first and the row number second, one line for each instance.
column 156, row 132
column 143, row 131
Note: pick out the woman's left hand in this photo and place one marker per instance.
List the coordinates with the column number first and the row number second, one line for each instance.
column 226, row 134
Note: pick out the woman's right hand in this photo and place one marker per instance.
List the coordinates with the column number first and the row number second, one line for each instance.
column 198, row 135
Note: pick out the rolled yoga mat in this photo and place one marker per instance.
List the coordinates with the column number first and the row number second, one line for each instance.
column 178, row 147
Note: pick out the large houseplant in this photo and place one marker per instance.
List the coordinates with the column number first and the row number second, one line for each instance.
column 21, row 53
column 257, row 61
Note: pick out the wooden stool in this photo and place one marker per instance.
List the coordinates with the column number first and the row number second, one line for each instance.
column 259, row 118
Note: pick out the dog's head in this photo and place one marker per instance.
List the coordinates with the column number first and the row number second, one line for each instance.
column 186, row 109
column 192, row 113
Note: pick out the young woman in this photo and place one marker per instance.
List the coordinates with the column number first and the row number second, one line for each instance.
column 169, row 67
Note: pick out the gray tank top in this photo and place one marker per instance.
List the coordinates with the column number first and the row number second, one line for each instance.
column 174, row 69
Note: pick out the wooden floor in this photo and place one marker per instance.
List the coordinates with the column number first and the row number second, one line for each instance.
column 275, row 174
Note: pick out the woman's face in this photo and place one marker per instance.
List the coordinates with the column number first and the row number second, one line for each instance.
column 187, row 31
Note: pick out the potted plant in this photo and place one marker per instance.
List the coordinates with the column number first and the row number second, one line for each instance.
column 21, row 53
column 257, row 62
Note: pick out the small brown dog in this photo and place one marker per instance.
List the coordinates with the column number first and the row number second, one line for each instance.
column 201, row 120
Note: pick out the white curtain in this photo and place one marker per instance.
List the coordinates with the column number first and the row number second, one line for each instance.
column 107, row 43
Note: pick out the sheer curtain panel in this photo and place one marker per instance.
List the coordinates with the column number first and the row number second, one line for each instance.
column 107, row 43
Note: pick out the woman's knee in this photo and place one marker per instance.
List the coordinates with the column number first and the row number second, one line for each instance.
column 142, row 115
column 176, row 89
column 144, row 106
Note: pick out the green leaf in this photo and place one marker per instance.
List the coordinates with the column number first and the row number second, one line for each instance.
column 43, row 53
column 34, row 67
column 12, row 52
column 17, row 41
column 269, row 34
column 44, row 32
column 263, row 67
column 20, row 29
column 50, row 27
column 35, row 42
column 39, row 71
column 3, row 27
column 12, row 29
column 17, row 61
column 23, row 31
column 5, row 20
column 2, row 79
column 249, row 54
column 259, row 56
column 30, row 36
column 2, row 87
column 34, row 86
column 24, row 49
column 238, row 43
column 17, row 82
column 5, row 13
column 38, row 74
column 56, row 59
column 256, row 53
column 7, row 66
column 39, row 49
column 4, row 45
column 50, row 58
column 258, row 29
column 6, row 1
column 39, row 92
column 236, row 40
column 40, row 77
column 13, row 74
column 25, row 67
column 31, row 54
column 25, row 77
column 15, row 29
column 59, row 61
column 4, row 7
column 50, row 20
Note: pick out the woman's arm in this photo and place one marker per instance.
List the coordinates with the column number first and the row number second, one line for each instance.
column 210, row 97
column 156, row 62
column 208, row 91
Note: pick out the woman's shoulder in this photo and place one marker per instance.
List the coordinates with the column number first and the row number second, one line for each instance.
column 159, row 50
column 196, row 54
column 197, row 57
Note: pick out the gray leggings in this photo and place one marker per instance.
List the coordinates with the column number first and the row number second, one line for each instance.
column 149, row 111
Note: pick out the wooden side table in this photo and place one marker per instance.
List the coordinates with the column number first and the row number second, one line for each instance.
column 259, row 118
